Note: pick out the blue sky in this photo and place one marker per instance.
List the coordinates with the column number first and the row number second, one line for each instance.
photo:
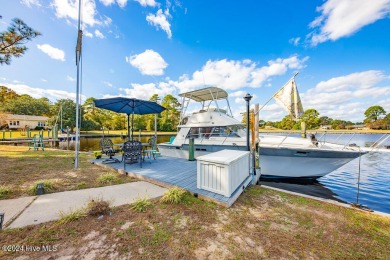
column 135, row 48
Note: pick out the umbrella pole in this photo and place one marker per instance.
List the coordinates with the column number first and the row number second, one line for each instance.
column 132, row 127
column 128, row 127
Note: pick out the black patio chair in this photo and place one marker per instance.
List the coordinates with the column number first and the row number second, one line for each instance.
column 108, row 149
column 132, row 151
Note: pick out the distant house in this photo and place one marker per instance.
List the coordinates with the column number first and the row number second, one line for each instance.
column 23, row 121
column 359, row 127
column 326, row 127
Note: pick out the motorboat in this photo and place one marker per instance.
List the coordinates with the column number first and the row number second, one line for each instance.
column 213, row 128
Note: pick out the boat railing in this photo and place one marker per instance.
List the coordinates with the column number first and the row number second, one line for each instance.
column 377, row 143
column 348, row 141
column 283, row 140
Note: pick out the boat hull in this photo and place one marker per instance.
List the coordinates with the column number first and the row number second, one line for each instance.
column 278, row 162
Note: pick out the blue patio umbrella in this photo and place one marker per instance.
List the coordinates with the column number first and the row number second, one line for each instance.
column 129, row 106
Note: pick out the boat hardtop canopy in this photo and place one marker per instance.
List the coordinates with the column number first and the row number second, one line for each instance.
column 205, row 94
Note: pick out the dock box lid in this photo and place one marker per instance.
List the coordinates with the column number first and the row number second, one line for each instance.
column 223, row 157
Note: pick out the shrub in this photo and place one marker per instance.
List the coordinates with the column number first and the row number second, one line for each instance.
column 81, row 185
column 98, row 207
column 48, row 186
column 97, row 154
column 107, row 178
column 141, row 204
column 4, row 191
column 174, row 195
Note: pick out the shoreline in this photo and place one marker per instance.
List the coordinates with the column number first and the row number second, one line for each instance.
column 280, row 131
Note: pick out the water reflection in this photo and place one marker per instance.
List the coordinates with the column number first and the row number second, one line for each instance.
column 307, row 187
column 92, row 144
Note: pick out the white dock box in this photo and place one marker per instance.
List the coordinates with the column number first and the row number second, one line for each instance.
column 222, row 172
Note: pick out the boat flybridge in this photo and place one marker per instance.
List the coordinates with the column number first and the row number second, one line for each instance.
column 214, row 129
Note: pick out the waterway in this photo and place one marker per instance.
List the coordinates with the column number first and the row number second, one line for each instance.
column 341, row 185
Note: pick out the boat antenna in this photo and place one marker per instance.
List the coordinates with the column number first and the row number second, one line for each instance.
column 274, row 95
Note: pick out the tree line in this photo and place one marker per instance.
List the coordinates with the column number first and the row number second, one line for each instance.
column 92, row 118
column 375, row 118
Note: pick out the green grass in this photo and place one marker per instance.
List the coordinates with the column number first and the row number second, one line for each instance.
column 141, row 204
column 72, row 216
column 5, row 191
column 174, row 195
column 48, row 186
column 108, row 178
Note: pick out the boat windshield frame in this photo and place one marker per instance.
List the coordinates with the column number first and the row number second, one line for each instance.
column 206, row 96
column 216, row 131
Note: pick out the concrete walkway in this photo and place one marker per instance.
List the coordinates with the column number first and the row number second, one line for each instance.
column 47, row 207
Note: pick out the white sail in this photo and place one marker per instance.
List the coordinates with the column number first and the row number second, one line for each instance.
column 288, row 98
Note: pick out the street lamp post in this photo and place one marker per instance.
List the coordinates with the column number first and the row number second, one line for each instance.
column 247, row 98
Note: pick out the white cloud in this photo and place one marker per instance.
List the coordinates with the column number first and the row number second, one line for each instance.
column 107, row 21
column 340, row 97
column 70, row 9
column 121, row 3
column 160, row 21
column 44, row 80
column 235, row 74
column 107, row 2
column 342, row 18
column 69, row 78
column 99, row 34
column 365, row 79
column 148, row 63
column 108, row 84
column 294, row 41
column 145, row 91
column 87, row 34
column 145, row 3
column 30, row 3
column 51, row 94
column 53, row 52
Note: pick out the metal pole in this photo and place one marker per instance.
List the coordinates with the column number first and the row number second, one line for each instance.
column 128, row 127
column 247, row 98
column 132, row 126
column 155, row 126
column 78, row 55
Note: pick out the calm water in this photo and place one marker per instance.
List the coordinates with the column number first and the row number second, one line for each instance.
column 341, row 184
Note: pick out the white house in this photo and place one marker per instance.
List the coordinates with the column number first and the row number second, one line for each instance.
column 23, row 121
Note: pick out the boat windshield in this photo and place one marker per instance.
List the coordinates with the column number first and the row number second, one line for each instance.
column 218, row 131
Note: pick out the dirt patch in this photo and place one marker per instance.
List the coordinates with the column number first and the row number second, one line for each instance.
column 21, row 168
column 202, row 230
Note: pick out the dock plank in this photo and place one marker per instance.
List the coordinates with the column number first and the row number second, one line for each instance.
column 175, row 172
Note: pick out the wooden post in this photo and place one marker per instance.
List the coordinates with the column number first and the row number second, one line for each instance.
column 67, row 137
column 257, row 123
column 303, row 129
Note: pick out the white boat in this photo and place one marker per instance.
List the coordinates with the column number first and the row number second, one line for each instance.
column 215, row 129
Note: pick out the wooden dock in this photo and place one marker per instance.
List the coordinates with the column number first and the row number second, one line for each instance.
column 169, row 172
